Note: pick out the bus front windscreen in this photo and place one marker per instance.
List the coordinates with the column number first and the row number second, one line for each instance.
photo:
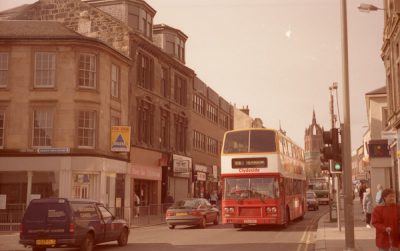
column 252, row 141
column 251, row 188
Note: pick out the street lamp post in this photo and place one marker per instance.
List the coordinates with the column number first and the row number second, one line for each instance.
column 348, row 197
column 368, row 7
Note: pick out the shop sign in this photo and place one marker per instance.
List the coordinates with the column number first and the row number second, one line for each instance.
column 120, row 138
column 3, row 201
column 182, row 164
column 215, row 171
column 53, row 150
column 201, row 176
column 200, row 168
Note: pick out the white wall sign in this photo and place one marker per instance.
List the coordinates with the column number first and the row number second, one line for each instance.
column 3, row 201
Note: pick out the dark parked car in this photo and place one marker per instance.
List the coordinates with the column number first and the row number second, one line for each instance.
column 312, row 201
column 59, row 222
column 192, row 212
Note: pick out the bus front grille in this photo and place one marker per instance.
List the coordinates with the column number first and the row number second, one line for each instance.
column 250, row 211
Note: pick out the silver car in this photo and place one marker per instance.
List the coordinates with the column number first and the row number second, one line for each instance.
column 197, row 211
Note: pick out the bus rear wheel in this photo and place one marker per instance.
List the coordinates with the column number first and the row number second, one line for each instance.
column 237, row 225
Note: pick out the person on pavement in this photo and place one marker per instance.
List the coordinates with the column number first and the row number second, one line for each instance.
column 367, row 206
column 385, row 219
column 378, row 196
column 361, row 192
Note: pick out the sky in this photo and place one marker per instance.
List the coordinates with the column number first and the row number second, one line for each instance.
column 279, row 57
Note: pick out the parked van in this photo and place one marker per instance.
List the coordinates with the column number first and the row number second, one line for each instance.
column 60, row 222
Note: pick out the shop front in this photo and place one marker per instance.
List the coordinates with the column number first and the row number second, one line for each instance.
column 179, row 180
column 25, row 178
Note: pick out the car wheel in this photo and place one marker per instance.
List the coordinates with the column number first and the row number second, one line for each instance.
column 203, row 223
column 38, row 249
column 171, row 226
column 88, row 243
column 237, row 225
column 216, row 221
column 123, row 238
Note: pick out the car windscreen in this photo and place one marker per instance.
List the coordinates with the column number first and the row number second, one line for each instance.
column 185, row 204
column 46, row 212
column 252, row 141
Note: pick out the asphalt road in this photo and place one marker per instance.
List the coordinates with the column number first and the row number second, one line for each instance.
column 298, row 236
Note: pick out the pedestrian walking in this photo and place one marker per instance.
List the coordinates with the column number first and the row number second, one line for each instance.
column 378, row 196
column 385, row 219
column 361, row 192
column 213, row 197
column 367, row 207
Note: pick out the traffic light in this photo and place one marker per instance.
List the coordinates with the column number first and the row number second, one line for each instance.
column 331, row 151
column 326, row 150
column 336, row 167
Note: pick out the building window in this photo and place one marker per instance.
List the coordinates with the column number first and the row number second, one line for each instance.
column 171, row 47
column 199, row 141
column 199, row 104
column 164, row 130
column 87, row 129
column 2, row 127
column 212, row 146
column 145, row 122
column 45, row 69
column 180, row 90
column 3, row 69
column 180, row 133
column 165, row 84
column 145, row 72
column 87, row 71
column 114, row 121
column 114, row 81
column 42, row 127
column 224, row 121
column 212, row 113
column 385, row 116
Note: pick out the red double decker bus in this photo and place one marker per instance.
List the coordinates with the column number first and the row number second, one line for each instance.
column 263, row 178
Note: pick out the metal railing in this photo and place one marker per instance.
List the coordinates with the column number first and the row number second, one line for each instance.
column 148, row 215
column 11, row 217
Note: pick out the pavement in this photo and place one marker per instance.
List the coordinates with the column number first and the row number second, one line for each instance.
column 329, row 238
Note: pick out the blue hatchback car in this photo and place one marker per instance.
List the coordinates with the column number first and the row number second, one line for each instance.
column 60, row 222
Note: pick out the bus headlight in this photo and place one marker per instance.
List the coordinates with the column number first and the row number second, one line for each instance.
column 271, row 210
column 229, row 209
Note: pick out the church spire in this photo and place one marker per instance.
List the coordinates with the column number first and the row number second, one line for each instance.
column 314, row 120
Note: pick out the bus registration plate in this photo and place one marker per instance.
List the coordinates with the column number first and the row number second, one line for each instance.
column 250, row 221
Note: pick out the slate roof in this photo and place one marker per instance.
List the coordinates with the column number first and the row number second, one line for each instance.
column 381, row 90
column 35, row 29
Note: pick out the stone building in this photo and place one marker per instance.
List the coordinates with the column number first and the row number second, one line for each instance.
column 211, row 117
column 390, row 54
column 60, row 93
column 159, row 90
column 313, row 142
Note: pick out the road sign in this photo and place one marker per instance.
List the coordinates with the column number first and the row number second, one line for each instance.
column 120, row 138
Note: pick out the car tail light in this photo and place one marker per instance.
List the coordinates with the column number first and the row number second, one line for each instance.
column 195, row 213
column 21, row 228
column 71, row 227
column 170, row 213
